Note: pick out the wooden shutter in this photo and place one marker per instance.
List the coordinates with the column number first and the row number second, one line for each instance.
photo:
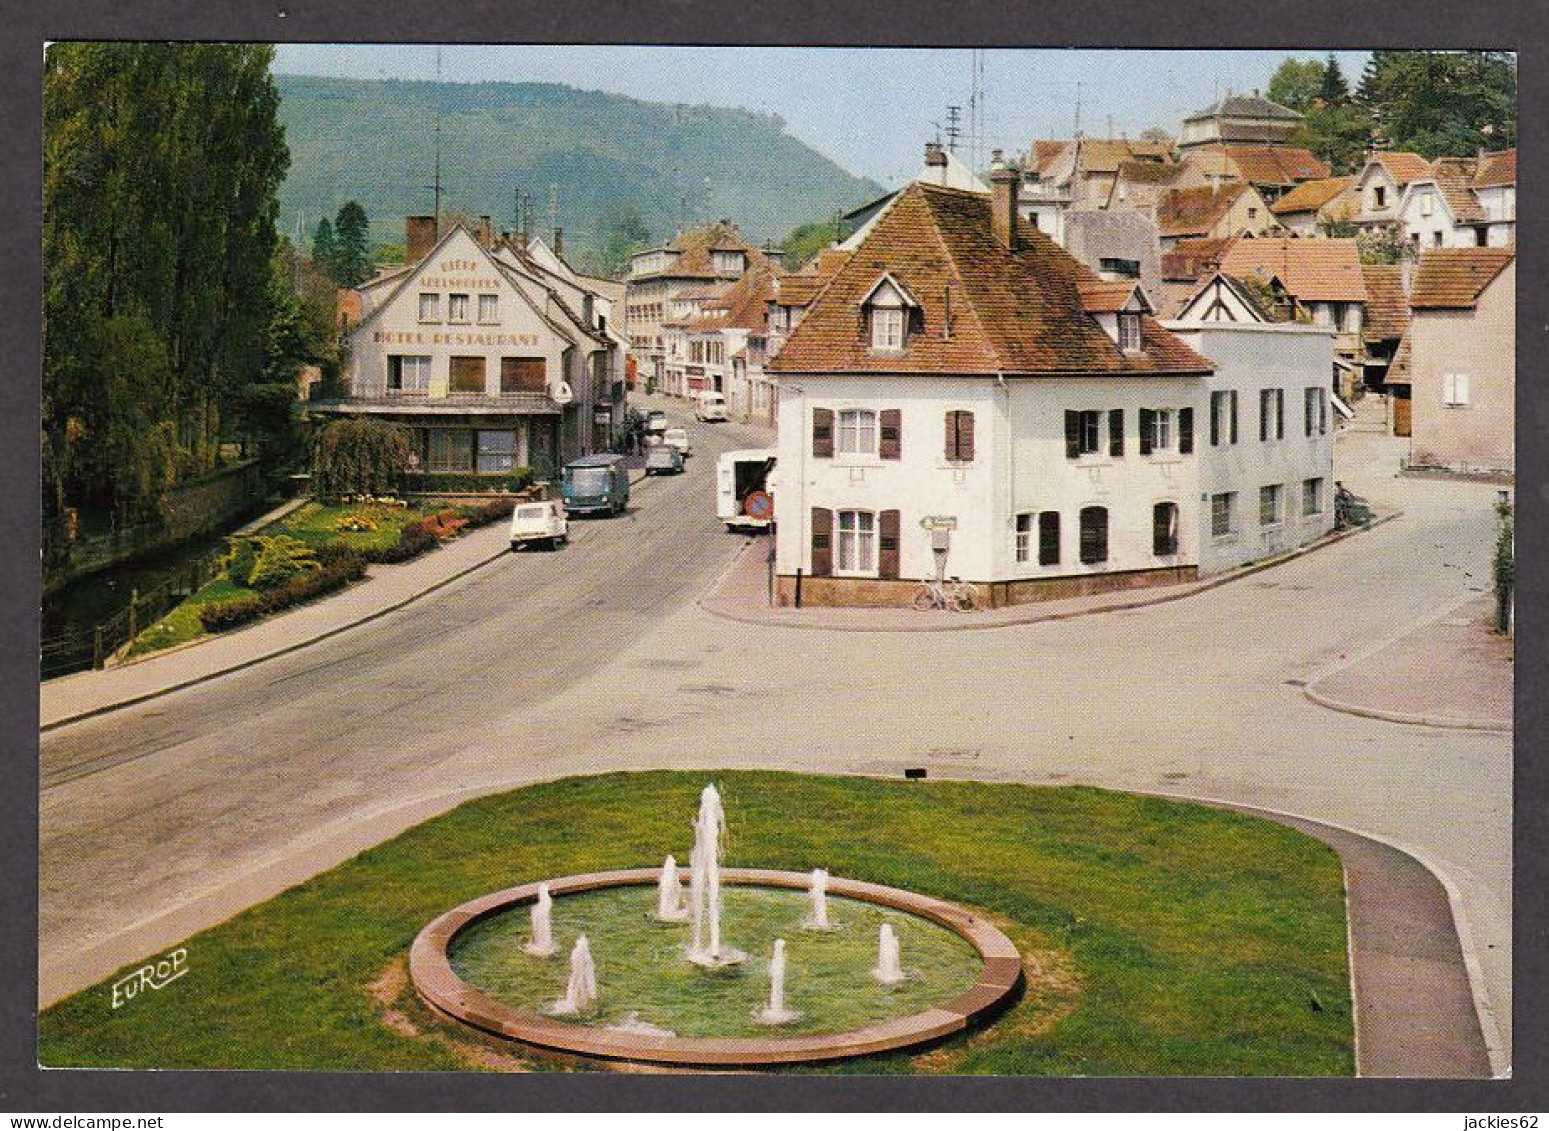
column 823, row 434
column 822, row 541
column 959, row 442
column 1072, row 434
column 1233, row 400
column 1147, row 430
column 1309, row 409
column 1185, row 430
column 467, row 375
column 891, row 439
column 1094, row 534
column 1116, row 432
column 1264, row 403
column 1280, row 414
column 523, row 375
column 1217, row 402
column 1049, row 538
column 887, row 545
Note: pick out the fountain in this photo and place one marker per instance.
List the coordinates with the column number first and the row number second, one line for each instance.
column 818, row 888
column 581, row 990
column 889, row 971
column 775, row 1013
column 541, row 942
column 669, row 894
column 705, row 886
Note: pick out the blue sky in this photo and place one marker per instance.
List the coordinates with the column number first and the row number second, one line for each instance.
column 869, row 109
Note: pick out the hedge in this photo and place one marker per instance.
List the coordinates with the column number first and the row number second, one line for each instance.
column 340, row 569
column 482, row 514
column 456, row 483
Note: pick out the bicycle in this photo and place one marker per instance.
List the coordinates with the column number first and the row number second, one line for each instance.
column 954, row 595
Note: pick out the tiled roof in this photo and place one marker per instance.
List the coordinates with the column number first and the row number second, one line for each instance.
column 1454, row 277
column 1497, row 169
column 694, row 247
column 1403, row 167
column 1454, row 179
column 1102, row 296
column 1275, row 164
column 1245, row 106
column 1046, row 151
column 800, row 287
column 1172, row 297
column 1195, row 211
column 1011, row 311
column 1387, row 307
column 1149, row 172
column 1105, row 155
column 1311, row 270
column 1309, row 196
column 1189, row 259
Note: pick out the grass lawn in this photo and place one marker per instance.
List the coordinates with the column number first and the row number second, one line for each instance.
column 312, row 523
column 1159, row 938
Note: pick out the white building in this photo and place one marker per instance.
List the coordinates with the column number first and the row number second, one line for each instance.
column 489, row 361
column 1463, row 202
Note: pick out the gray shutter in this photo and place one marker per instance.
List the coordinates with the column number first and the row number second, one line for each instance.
column 965, row 436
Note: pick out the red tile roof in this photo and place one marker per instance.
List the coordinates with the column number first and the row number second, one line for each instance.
column 1453, row 278
column 1011, row 311
column 1403, row 167
column 1387, row 306
column 1454, row 179
column 1271, row 164
column 1496, row 169
column 1311, row 270
column 1196, row 211
column 1102, row 296
column 1189, row 259
column 694, row 247
column 1309, row 196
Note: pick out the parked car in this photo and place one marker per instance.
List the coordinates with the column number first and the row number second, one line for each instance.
column 655, row 422
column 677, row 438
column 595, row 485
column 539, row 522
column 663, row 459
column 710, row 405
column 744, row 488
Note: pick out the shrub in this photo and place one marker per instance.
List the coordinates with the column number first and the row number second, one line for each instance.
column 356, row 523
column 222, row 615
column 240, row 562
column 413, row 540
column 482, row 514
column 358, row 457
column 459, row 483
column 281, row 558
column 445, row 525
column 336, row 555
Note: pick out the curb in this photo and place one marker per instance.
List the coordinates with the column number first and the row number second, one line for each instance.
column 1329, row 539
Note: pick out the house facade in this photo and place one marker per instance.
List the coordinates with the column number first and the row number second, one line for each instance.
column 1207, row 212
column 485, row 363
column 965, row 396
column 1463, row 202
column 1248, row 119
column 1379, row 186
column 1309, row 208
column 1462, row 360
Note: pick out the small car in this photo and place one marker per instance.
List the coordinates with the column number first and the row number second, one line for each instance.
column 655, row 422
column 710, row 406
column 677, row 438
column 539, row 522
column 663, row 459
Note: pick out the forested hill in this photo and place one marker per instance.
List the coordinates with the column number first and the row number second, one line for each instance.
column 605, row 155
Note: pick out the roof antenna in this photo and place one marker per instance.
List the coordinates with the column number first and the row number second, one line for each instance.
column 436, row 188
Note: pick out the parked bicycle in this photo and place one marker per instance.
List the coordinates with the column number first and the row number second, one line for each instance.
column 954, row 594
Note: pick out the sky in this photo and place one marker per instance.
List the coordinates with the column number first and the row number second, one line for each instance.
column 869, row 109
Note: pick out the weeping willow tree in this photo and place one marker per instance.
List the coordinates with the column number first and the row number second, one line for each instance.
column 161, row 167
column 358, row 457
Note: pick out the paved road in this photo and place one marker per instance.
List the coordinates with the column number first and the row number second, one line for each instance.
column 522, row 673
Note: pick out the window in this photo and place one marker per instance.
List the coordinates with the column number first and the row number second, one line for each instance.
column 1436, row 239
column 1253, row 213
column 1164, row 530
column 1269, row 505
column 1127, row 268
column 408, row 373
column 1024, row 541
column 497, row 451
column 1271, row 414
column 1425, row 204
column 1379, row 196
column 430, row 308
column 457, row 308
column 1155, row 430
column 857, row 542
column 1116, row 432
column 959, row 446
column 1312, row 496
column 451, row 449
column 1094, row 535
column 857, row 432
column 1454, row 390
column 523, row 375
column 1049, row 538
column 1129, row 332
column 1081, row 432
column 887, row 328
column 467, row 375
column 1223, row 518
column 1223, row 417
column 489, row 309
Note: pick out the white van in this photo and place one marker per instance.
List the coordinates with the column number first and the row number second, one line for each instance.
column 711, row 405
column 745, row 485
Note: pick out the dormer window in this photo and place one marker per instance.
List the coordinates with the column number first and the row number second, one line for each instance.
column 729, row 262
column 887, row 328
column 887, row 311
column 1129, row 331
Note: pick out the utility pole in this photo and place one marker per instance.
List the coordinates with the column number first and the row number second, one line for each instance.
column 436, row 187
column 1078, row 107
column 553, row 206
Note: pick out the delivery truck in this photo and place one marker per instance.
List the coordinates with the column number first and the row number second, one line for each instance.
column 745, row 484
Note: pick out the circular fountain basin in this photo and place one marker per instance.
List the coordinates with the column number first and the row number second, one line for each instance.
column 468, row 964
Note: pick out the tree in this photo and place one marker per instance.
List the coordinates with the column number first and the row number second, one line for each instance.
column 1332, row 88
column 352, row 246
column 802, row 243
column 324, row 250
column 1296, row 84
column 358, row 457
column 1442, row 102
column 623, row 234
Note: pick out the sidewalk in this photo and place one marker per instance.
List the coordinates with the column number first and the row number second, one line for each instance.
column 742, row 595
column 387, row 587
column 1451, row 672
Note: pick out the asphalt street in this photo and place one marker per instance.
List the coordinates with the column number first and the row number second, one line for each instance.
column 169, row 816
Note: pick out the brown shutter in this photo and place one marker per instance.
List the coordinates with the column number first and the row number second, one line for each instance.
column 890, row 443
column 823, row 433
column 1147, row 430
column 1072, row 434
column 1233, row 400
column 1116, row 432
column 965, row 436
column 822, row 541
column 1185, row 430
column 522, row 375
column 887, row 545
column 949, row 446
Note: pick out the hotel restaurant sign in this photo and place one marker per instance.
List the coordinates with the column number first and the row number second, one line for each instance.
column 455, row 275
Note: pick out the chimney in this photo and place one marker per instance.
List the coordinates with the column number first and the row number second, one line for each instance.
column 934, row 154
column 420, row 236
column 559, row 241
column 484, row 233
column 1004, row 183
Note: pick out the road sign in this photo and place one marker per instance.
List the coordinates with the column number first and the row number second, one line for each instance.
column 759, row 505
column 939, row 522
